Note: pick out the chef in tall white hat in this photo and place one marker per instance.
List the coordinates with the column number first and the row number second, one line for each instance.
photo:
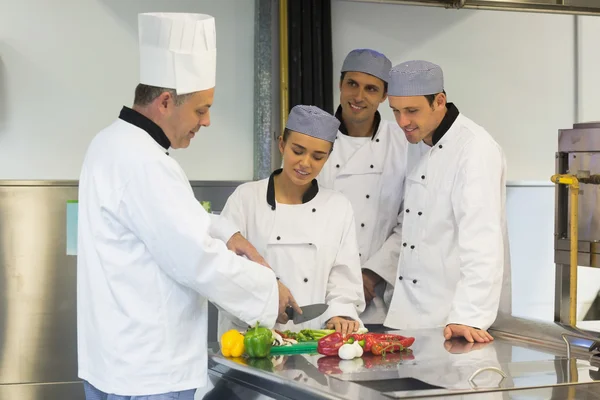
column 149, row 255
column 454, row 267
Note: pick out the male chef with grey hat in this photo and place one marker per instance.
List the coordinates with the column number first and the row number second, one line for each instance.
column 454, row 268
column 306, row 232
column 149, row 256
column 368, row 165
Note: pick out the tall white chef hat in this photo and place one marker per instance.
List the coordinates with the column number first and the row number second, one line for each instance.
column 178, row 51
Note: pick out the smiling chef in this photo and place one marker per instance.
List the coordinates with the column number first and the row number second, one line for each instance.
column 149, row 255
column 454, row 267
column 368, row 166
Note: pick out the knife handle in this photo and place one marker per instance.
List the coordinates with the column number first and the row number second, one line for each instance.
column 290, row 312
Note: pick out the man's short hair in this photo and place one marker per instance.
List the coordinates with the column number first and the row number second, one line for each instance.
column 146, row 94
column 431, row 97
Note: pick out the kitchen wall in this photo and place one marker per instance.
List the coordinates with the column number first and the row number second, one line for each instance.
column 68, row 66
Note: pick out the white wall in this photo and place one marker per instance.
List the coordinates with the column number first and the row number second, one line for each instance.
column 67, row 67
column 589, row 65
column 512, row 73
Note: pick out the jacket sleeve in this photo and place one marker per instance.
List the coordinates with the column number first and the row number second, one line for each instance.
column 345, row 294
column 222, row 228
column 158, row 206
column 385, row 260
column 233, row 213
column 477, row 203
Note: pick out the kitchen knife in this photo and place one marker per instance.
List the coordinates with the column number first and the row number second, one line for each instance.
column 308, row 312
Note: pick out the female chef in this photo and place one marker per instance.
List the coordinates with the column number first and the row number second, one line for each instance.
column 305, row 232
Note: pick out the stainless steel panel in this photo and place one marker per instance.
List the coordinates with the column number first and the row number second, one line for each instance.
column 589, row 195
column 579, row 140
column 587, row 125
column 53, row 391
column 562, row 299
column 37, row 286
column 435, row 367
column 565, row 244
column 217, row 192
column 583, row 259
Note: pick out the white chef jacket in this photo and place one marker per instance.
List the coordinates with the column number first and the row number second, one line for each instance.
column 370, row 172
column 454, row 260
column 311, row 247
column 148, row 264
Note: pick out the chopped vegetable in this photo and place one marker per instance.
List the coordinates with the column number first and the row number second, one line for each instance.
column 258, row 342
column 307, row 335
column 232, row 343
column 277, row 339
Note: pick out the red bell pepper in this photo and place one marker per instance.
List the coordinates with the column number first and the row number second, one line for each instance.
column 330, row 344
column 386, row 336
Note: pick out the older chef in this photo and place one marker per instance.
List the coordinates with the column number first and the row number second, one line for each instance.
column 368, row 166
column 454, row 249
column 149, row 255
column 305, row 232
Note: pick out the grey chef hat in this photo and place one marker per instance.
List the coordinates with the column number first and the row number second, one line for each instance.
column 416, row 78
column 313, row 121
column 368, row 61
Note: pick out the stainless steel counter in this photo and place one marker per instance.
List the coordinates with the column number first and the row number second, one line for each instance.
column 436, row 368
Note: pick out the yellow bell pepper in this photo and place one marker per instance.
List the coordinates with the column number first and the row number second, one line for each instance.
column 232, row 344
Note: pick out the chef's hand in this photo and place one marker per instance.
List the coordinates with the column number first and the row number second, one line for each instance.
column 470, row 334
column 242, row 247
column 286, row 299
column 370, row 280
column 343, row 325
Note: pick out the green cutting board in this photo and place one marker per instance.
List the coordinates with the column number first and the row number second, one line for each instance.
column 300, row 348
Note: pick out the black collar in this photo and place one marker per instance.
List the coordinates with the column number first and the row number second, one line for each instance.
column 344, row 130
column 446, row 123
column 308, row 195
column 142, row 122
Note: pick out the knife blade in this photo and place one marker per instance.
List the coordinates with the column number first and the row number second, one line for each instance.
column 308, row 312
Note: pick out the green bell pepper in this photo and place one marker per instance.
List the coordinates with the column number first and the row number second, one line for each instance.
column 258, row 342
